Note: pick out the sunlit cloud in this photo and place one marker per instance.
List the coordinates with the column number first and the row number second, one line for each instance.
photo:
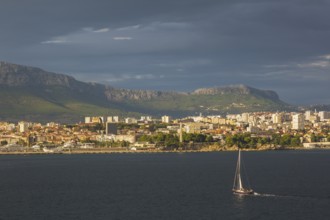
column 319, row 62
column 327, row 56
column 103, row 30
column 129, row 28
column 122, row 38
column 55, row 41
column 126, row 77
column 150, row 37
column 276, row 66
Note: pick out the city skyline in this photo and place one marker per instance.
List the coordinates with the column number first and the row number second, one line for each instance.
column 176, row 45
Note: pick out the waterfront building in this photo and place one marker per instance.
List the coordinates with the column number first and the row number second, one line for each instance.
column 128, row 137
column 124, row 137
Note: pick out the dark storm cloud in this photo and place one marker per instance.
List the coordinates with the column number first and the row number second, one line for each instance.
column 176, row 45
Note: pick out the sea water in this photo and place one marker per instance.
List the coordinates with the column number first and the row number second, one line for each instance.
column 288, row 185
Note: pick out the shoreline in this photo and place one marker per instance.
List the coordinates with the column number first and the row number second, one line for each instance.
column 105, row 151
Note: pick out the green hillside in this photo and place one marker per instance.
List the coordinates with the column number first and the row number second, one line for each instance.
column 207, row 104
column 56, row 103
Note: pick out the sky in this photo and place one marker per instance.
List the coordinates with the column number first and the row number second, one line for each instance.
column 176, row 45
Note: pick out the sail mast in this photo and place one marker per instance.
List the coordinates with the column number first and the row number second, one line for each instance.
column 238, row 180
column 240, row 185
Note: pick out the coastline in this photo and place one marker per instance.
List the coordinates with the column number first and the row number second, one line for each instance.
column 107, row 151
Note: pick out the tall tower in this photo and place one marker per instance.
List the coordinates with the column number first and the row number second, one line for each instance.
column 298, row 122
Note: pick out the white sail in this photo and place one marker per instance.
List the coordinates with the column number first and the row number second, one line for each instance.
column 238, row 180
column 238, row 184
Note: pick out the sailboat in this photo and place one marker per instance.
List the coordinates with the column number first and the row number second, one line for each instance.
column 238, row 187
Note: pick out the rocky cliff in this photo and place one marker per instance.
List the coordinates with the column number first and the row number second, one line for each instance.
column 237, row 89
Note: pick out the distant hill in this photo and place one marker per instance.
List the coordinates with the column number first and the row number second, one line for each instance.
column 321, row 107
column 31, row 93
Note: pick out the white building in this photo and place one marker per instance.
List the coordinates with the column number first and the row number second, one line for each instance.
column 166, row 119
column 130, row 120
column 94, row 119
column 253, row 129
column 146, row 118
column 127, row 137
column 298, row 122
column 308, row 115
column 277, row 118
column 113, row 119
column 23, row 126
column 253, row 120
column 10, row 127
column 196, row 127
column 324, row 115
column 87, row 120
column 245, row 117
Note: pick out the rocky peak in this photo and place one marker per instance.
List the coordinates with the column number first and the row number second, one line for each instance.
column 19, row 75
column 237, row 89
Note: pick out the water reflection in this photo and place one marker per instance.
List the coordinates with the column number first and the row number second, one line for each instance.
column 239, row 201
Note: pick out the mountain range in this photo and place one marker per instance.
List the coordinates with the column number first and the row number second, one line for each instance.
column 30, row 93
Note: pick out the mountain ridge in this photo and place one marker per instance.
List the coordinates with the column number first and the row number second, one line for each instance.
column 61, row 92
column 19, row 75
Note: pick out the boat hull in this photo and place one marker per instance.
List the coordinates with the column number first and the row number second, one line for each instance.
column 243, row 191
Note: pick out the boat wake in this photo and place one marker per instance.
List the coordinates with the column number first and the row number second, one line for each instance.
column 264, row 194
column 289, row 196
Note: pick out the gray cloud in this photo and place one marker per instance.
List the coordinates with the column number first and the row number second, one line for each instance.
column 176, row 45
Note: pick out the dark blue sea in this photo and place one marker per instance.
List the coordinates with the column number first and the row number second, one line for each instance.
column 290, row 185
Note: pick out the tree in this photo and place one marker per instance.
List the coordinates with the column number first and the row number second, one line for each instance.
column 276, row 138
column 171, row 142
column 253, row 142
column 229, row 140
column 285, row 140
column 295, row 141
column 4, row 143
column 209, row 138
column 152, row 128
column 144, row 138
column 159, row 137
column 200, row 138
column 313, row 138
